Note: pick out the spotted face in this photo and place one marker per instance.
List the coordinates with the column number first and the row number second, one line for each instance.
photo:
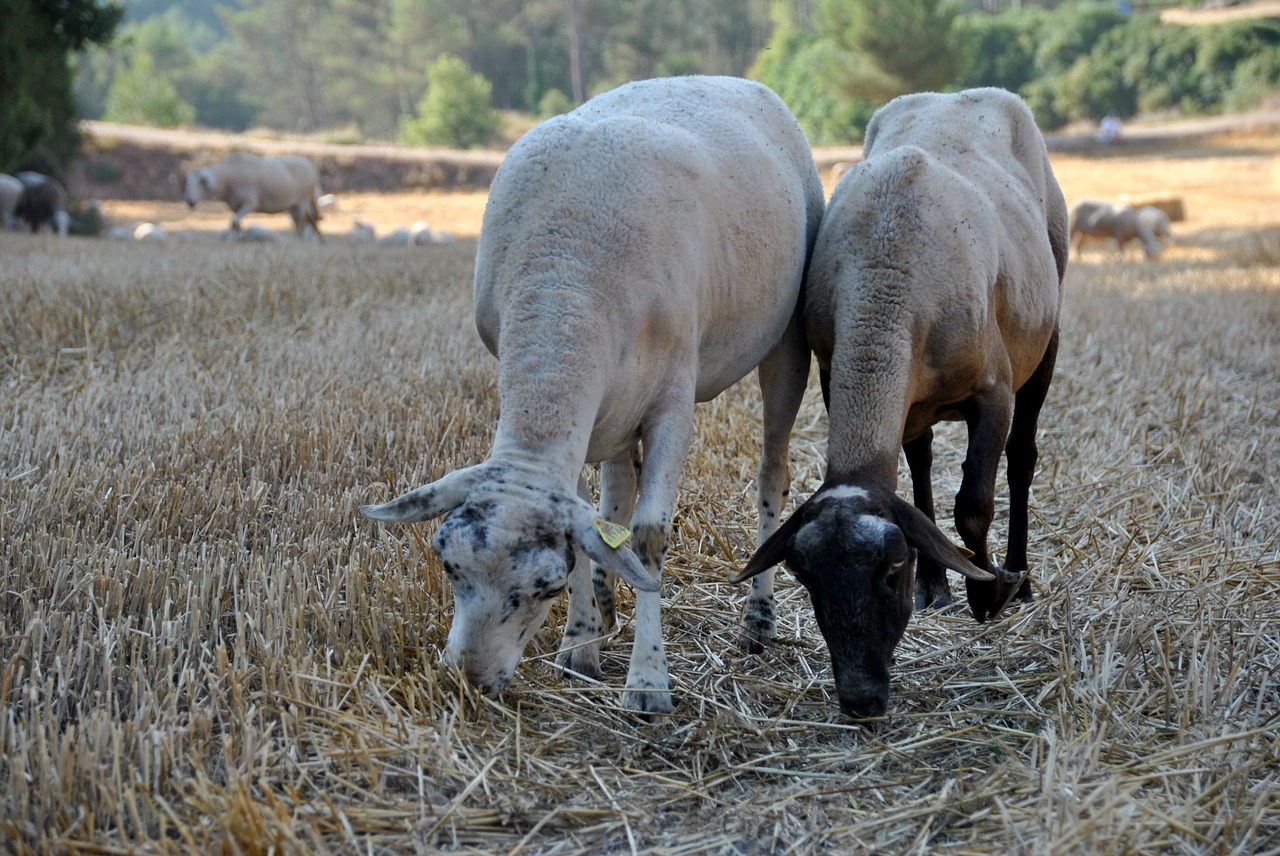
column 508, row 543
column 506, row 564
column 859, row 571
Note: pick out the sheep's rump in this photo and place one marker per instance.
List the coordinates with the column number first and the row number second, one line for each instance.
column 278, row 183
column 955, row 208
column 673, row 214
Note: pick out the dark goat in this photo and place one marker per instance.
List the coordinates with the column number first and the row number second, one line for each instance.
column 933, row 293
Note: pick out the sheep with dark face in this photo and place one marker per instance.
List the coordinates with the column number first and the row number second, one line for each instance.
column 637, row 255
column 43, row 203
column 933, row 294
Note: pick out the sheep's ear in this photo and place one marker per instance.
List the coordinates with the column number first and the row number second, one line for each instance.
column 620, row 560
column 773, row 550
column 923, row 534
column 427, row 502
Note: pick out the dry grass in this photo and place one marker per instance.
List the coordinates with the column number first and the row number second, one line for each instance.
column 204, row 649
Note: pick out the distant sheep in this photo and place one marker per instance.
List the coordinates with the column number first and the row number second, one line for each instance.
column 1118, row 223
column 417, row 235
column 933, row 293
column 270, row 185
column 149, row 232
column 625, row 271
column 43, row 203
column 10, row 193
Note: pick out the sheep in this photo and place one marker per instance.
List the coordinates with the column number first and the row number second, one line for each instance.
column 626, row 269
column 1154, row 230
column 270, row 185
column 43, row 203
column 417, row 235
column 10, row 193
column 149, row 232
column 933, row 293
column 1121, row 223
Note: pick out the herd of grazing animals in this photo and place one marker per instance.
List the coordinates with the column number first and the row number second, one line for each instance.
column 644, row 252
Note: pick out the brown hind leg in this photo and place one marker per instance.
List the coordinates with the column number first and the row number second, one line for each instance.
column 1021, row 454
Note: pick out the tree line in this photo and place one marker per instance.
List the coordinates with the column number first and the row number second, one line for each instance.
column 441, row 72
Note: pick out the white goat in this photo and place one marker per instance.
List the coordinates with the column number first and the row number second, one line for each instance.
column 933, row 293
column 637, row 255
column 271, row 185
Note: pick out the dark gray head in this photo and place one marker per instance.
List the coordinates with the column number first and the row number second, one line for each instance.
column 854, row 548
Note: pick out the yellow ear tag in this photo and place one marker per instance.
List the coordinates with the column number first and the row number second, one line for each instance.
column 964, row 551
column 613, row 534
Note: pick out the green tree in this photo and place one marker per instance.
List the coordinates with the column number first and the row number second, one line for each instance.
column 140, row 96
column 884, row 48
column 456, row 109
column 37, row 112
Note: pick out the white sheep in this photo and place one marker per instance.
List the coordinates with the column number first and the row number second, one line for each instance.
column 1154, row 230
column 637, row 255
column 933, row 294
column 10, row 193
column 1118, row 222
column 149, row 232
column 270, row 185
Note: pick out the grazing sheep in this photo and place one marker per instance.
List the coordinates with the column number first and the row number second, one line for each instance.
column 1154, row 230
column 43, row 203
column 625, row 271
column 271, row 185
column 149, row 232
column 362, row 232
column 417, row 235
column 1121, row 223
column 933, row 293
column 10, row 193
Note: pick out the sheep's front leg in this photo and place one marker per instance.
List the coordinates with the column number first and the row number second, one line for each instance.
column 592, row 614
column 988, row 418
column 783, row 374
column 932, row 591
column 244, row 210
column 666, row 442
column 1022, row 454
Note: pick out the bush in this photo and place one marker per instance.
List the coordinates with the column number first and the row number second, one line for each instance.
column 456, row 110
column 553, row 103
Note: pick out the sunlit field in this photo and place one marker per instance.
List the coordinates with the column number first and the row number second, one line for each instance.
column 203, row 648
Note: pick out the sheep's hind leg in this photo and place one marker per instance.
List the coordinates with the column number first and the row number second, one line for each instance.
column 932, row 591
column 1022, row 454
column 783, row 374
column 988, row 418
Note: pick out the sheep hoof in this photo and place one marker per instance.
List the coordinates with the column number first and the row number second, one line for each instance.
column 755, row 639
column 581, row 662
column 988, row 599
column 930, row 597
column 648, row 703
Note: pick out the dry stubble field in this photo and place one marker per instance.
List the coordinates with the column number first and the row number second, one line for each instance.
column 204, row 649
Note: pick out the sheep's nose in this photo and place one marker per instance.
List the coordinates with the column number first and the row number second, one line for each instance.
column 864, row 705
